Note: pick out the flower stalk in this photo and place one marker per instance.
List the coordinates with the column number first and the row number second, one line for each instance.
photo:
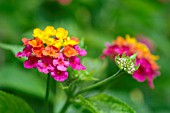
column 47, row 88
column 100, row 83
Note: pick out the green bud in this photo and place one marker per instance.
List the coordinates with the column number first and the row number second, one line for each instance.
column 127, row 63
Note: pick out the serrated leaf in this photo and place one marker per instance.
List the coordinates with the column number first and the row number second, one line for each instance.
column 107, row 104
column 88, row 104
column 12, row 104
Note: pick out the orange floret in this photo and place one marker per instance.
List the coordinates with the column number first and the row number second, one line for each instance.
column 36, row 42
column 120, row 41
column 70, row 51
column 38, row 51
column 51, row 51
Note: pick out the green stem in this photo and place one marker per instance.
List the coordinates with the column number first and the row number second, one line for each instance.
column 47, row 88
column 66, row 105
column 47, row 94
column 100, row 83
column 69, row 92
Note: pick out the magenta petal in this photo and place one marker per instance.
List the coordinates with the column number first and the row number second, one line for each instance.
column 31, row 62
column 61, row 68
column 26, row 52
column 139, row 76
column 66, row 63
column 42, row 68
column 28, row 64
column 61, row 63
column 55, row 62
column 58, row 60
column 151, row 85
column 59, row 75
column 80, row 67
column 19, row 54
column 75, row 63
column 113, row 50
column 145, row 72
column 82, row 52
column 45, row 65
column 76, row 47
column 150, row 80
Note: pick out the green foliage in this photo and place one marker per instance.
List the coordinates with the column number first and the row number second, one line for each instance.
column 13, row 48
column 19, row 79
column 107, row 104
column 12, row 104
column 88, row 104
column 32, row 83
column 102, row 103
column 97, row 22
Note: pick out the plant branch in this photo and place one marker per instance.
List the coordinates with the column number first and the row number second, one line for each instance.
column 100, row 82
column 47, row 88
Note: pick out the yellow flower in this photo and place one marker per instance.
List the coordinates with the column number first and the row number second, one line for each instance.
column 70, row 42
column 48, row 41
column 61, row 33
column 142, row 47
column 48, row 37
column 37, row 32
column 58, row 43
column 44, row 37
column 49, row 30
column 130, row 40
column 153, row 57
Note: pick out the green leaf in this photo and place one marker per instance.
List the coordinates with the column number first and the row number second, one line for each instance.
column 12, row 104
column 107, row 104
column 88, row 104
column 13, row 48
column 19, row 79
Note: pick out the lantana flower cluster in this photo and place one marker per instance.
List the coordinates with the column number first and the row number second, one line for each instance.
column 148, row 69
column 51, row 51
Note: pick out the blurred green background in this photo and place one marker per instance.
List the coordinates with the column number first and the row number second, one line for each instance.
column 97, row 21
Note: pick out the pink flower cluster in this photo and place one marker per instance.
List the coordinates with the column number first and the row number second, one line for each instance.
column 148, row 69
column 56, row 61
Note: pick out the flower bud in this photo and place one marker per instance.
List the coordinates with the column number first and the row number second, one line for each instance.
column 127, row 63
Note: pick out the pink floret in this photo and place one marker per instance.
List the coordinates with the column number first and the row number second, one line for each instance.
column 75, row 63
column 59, row 75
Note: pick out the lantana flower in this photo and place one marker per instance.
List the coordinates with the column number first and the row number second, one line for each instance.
column 148, row 69
column 52, row 51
